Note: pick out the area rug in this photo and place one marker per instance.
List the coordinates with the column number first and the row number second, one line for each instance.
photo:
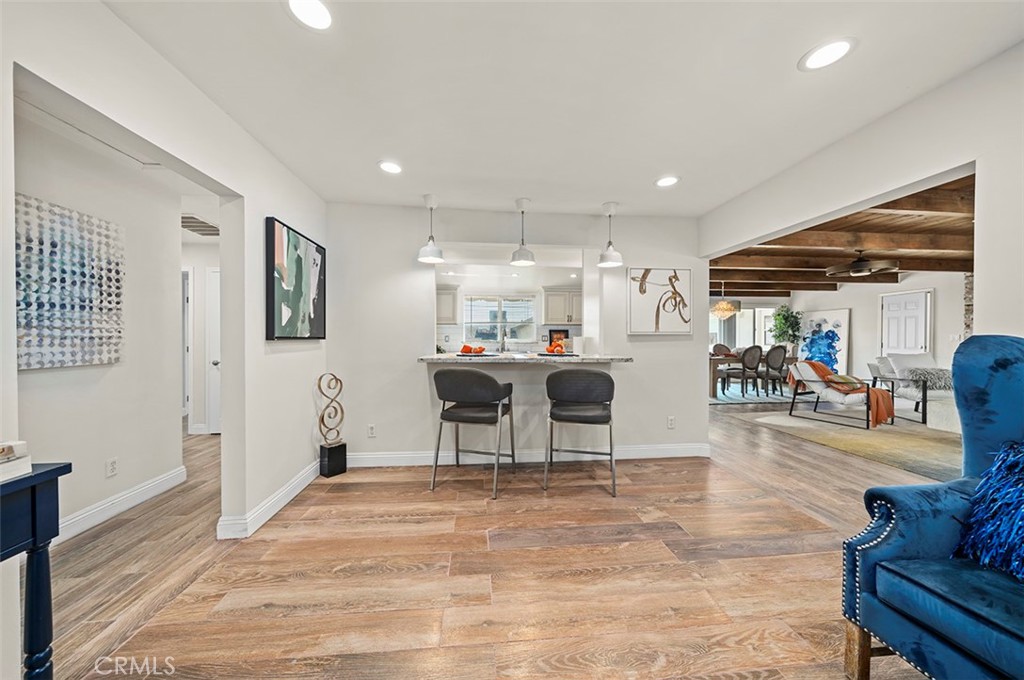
column 733, row 395
column 906, row 445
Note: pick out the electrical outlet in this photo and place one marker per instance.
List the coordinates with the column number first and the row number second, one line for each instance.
column 670, row 422
column 110, row 467
column 371, row 431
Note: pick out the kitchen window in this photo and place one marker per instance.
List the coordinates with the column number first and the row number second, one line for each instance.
column 486, row 318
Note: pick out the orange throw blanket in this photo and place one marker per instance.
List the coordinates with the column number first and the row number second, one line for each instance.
column 882, row 408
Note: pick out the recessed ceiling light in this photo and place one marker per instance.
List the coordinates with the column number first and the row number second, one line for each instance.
column 572, row 276
column 666, row 181
column 390, row 167
column 449, row 273
column 312, row 13
column 825, row 55
column 515, row 276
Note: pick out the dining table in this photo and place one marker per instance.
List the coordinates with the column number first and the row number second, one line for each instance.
column 716, row 360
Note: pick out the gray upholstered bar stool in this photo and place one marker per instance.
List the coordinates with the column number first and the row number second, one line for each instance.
column 476, row 399
column 582, row 396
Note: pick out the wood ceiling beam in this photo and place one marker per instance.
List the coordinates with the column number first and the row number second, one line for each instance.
column 791, row 285
column 853, row 240
column 909, row 264
column 750, row 293
column 931, row 202
column 783, row 275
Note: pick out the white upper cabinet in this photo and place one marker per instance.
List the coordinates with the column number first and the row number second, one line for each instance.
column 447, row 306
column 563, row 307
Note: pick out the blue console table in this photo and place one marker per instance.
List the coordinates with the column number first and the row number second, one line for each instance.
column 29, row 520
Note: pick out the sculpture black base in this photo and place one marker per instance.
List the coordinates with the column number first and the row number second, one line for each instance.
column 333, row 459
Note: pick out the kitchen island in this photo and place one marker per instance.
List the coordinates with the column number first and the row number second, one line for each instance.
column 522, row 358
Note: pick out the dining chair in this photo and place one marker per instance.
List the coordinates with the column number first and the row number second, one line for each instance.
column 750, row 361
column 475, row 398
column 721, row 350
column 581, row 396
column 774, row 371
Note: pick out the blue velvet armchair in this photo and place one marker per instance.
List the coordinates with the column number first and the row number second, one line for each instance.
column 949, row 618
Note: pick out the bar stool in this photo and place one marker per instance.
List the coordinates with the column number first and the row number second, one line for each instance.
column 476, row 399
column 582, row 396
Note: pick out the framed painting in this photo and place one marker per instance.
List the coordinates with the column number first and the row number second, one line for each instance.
column 70, row 284
column 296, row 284
column 659, row 301
column 826, row 338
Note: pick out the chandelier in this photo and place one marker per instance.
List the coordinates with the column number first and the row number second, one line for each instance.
column 723, row 309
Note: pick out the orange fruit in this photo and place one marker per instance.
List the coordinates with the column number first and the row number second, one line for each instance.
column 466, row 349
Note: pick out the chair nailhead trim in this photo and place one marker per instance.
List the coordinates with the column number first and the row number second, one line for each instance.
column 885, row 532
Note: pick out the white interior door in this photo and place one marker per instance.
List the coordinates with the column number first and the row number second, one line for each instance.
column 186, row 332
column 213, row 350
column 906, row 323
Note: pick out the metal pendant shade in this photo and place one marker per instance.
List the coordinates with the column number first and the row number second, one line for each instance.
column 523, row 256
column 431, row 253
column 609, row 256
column 862, row 266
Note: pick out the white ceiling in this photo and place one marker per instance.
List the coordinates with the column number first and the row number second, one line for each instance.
column 571, row 104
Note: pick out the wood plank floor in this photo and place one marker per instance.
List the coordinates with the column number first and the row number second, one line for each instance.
column 716, row 568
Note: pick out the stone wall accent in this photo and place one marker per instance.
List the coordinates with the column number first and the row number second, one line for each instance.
column 968, row 305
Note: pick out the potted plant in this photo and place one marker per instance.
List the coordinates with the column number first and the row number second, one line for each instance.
column 787, row 326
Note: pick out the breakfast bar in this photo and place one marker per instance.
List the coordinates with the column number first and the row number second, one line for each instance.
column 523, row 358
column 528, row 373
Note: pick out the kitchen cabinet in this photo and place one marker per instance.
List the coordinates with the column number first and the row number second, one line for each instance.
column 447, row 306
column 563, row 307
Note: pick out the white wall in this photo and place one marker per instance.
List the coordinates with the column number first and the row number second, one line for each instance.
column 139, row 421
column 199, row 259
column 85, row 51
column 974, row 118
column 266, row 386
column 863, row 302
column 383, row 319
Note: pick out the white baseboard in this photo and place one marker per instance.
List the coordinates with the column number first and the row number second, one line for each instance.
column 95, row 514
column 198, row 428
column 243, row 526
column 392, row 459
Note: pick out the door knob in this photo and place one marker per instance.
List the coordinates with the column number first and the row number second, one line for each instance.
column 215, row 362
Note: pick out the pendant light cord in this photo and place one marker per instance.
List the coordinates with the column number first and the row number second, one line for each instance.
column 522, row 227
column 431, row 223
column 609, row 229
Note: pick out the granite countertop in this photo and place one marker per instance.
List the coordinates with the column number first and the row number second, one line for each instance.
column 523, row 358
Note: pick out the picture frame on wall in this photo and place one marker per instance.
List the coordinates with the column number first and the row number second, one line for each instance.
column 296, row 284
column 825, row 338
column 659, row 301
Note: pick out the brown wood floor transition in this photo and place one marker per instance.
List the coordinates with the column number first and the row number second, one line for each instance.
column 720, row 568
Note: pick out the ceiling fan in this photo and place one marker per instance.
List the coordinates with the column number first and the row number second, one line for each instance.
column 862, row 266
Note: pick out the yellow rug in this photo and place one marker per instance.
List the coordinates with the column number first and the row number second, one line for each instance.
column 906, row 445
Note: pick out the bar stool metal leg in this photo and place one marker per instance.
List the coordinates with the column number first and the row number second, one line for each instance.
column 547, row 450
column 512, row 435
column 437, row 450
column 611, row 454
column 456, row 445
column 497, row 455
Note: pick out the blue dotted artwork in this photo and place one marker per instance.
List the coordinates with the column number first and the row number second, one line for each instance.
column 825, row 338
column 70, row 286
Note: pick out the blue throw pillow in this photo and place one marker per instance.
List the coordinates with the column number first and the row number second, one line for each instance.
column 994, row 533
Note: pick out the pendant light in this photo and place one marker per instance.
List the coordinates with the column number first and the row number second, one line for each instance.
column 723, row 309
column 610, row 257
column 430, row 253
column 522, row 257
column 862, row 266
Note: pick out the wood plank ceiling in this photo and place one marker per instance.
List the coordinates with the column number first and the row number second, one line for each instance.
column 932, row 230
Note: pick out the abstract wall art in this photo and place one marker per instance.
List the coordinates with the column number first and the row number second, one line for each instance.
column 296, row 284
column 70, row 272
column 659, row 301
column 826, row 338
